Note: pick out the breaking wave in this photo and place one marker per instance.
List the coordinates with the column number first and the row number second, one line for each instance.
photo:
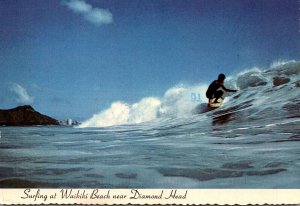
column 181, row 100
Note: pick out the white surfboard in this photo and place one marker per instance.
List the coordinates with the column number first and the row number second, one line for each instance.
column 215, row 105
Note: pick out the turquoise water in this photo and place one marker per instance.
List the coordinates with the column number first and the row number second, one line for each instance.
column 252, row 141
column 137, row 157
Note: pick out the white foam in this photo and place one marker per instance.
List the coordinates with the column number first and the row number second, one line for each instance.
column 180, row 100
column 281, row 62
column 176, row 102
column 144, row 111
column 116, row 114
column 251, row 70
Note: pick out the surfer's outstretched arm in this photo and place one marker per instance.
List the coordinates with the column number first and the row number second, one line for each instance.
column 228, row 90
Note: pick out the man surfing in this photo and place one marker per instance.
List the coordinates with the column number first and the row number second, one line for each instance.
column 213, row 91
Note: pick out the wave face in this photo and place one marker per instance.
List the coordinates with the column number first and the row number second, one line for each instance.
column 260, row 89
column 175, row 141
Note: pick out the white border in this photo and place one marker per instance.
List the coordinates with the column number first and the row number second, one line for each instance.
column 188, row 196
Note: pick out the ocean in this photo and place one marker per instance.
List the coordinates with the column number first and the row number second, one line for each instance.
column 251, row 141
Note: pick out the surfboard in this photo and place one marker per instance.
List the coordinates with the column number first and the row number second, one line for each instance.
column 215, row 105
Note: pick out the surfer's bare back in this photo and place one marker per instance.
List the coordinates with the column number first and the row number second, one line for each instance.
column 213, row 89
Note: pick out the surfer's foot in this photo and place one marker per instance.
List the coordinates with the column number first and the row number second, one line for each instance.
column 216, row 101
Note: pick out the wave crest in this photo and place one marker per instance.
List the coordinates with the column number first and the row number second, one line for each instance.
column 180, row 100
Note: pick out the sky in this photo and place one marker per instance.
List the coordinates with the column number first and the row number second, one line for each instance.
column 73, row 58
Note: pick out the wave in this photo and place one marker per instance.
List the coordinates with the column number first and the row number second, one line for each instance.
column 181, row 100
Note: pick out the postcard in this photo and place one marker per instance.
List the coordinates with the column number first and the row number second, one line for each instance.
column 149, row 102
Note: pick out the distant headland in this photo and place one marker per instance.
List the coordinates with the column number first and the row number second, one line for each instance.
column 24, row 116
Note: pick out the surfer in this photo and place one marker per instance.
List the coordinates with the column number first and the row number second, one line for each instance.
column 213, row 89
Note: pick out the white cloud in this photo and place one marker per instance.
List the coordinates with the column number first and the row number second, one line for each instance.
column 99, row 16
column 78, row 6
column 92, row 14
column 22, row 95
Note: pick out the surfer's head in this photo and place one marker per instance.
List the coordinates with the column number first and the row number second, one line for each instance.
column 221, row 77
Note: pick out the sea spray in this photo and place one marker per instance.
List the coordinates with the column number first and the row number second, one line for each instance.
column 122, row 113
column 181, row 100
column 176, row 102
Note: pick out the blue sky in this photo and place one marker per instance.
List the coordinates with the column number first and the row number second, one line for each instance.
column 73, row 58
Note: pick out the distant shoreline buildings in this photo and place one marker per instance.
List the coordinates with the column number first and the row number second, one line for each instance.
column 69, row 122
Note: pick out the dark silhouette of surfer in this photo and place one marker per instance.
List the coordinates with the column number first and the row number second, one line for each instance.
column 213, row 89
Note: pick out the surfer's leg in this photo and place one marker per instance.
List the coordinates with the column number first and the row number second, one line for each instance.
column 218, row 94
column 209, row 97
